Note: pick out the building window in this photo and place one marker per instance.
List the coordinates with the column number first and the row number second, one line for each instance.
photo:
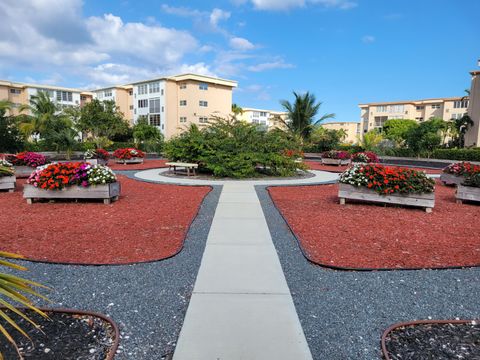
column 49, row 93
column 203, row 103
column 435, row 106
column 108, row 92
column 458, row 116
column 83, row 97
column 131, row 107
column 460, row 104
column 382, row 108
column 203, row 86
column 64, row 96
column 15, row 91
column 154, row 119
column 154, row 106
column 143, row 103
column 419, row 119
column 380, row 120
column 183, row 102
column 183, row 86
column 263, row 114
column 154, row 87
column 142, row 89
column 163, row 109
column 396, row 108
column 130, row 92
column 183, row 119
column 419, row 108
column 203, row 119
column 161, row 92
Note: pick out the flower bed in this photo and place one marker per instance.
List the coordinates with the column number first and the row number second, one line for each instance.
column 25, row 162
column 129, row 156
column 73, row 180
column 7, row 176
column 366, row 236
column 365, row 157
column 469, row 190
column 455, row 174
column 97, row 157
column 335, row 157
column 388, row 185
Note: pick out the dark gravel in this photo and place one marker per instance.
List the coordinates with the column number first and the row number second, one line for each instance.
column 434, row 341
column 344, row 314
column 148, row 301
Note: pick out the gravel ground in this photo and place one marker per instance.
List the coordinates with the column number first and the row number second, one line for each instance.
column 344, row 314
column 148, row 301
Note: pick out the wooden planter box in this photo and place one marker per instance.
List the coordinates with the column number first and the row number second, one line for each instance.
column 97, row 161
column 467, row 193
column 23, row 171
column 8, row 183
column 108, row 192
column 338, row 162
column 350, row 192
column 450, row 179
column 136, row 160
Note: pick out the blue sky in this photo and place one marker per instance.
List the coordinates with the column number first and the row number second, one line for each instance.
column 344, row 51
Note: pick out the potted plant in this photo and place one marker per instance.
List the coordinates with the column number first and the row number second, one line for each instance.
column 96, row 157
column 72, row 180
column 387, row 185
column 7, row 176
column 336, row 157
column 365, row 157
column 25, row 162
column 129, row 156
column 469, row 190
column 454, row 174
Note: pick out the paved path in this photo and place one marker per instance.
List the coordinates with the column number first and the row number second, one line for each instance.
column 241, row 307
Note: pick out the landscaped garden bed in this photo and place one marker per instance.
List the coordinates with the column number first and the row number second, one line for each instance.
column 66, row 335
column 7, row 176
column 149, row 223
column 97, row 157
column 128, row 156
column 334, row 157
column 365, row 157
column 455, row 174
column 387, row 185
column 439, row 340
column 72, row 181
column 366, row 236
column 25, row 162
column 469, row 190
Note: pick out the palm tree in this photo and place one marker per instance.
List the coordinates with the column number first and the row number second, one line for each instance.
column 236, row 110
column 301, row 114
column 42, row 111
column 5, row 106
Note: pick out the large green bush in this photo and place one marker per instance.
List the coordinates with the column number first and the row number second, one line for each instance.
column 229, row 148
column 457, row 154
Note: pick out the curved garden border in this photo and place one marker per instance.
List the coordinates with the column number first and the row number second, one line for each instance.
column 416, row 322
column 116, row 341
column 341, row 268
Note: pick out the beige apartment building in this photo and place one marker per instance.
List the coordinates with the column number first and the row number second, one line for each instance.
column 122, row 95
column 269, row 119
column 352, row 130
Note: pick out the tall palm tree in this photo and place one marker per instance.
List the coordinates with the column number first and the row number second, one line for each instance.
column 236, row 110
column 301, row 114
column 5, row 106
column 42, row 110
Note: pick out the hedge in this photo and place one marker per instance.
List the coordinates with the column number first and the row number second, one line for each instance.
column 457, row 154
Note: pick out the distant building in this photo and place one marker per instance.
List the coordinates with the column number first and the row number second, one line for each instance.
column 268, row 118
column 352, row 130
column 123, row 97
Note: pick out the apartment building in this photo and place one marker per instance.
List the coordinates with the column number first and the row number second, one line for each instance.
column 20, row 94
column 268, row 118
column 374, row 115
column 123, row 97
column 173, row 103
column 472, row 137
column 352, row 129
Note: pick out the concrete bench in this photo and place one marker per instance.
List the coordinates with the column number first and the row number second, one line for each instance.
column 189, row 167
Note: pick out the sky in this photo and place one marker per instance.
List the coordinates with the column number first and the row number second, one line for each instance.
column 345, row 52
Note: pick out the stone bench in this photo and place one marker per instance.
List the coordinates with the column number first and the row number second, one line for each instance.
column 189, row 167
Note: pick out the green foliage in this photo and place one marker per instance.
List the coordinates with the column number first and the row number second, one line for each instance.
column 473, row 180
column 397, row 129
column 457, row 154
column 371, row 140
column 147, row 137
column 323, row 139
column 11, row 140
column 229, row 148
column 426, row 136
column 301, row 114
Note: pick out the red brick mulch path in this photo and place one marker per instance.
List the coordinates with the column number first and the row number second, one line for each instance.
column 367, row 236
column 317, row 165
column 147, row 164
column 148, row 222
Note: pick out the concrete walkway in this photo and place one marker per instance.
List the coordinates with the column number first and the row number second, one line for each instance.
column 241, row 307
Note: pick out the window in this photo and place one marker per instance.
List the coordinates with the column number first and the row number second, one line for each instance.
column 382, row 108
column 263, row 114
column 15, row 91
column 154, row 120
column 203, row 86
column 83, row 97
column 46, row 91
column 161, row 92
column 458, row 116
column 396, row 108
column 163, row 109
column 183, row 86
column 108, row 92
column 421, row 107
column 459, row 104
column 183, row 119
column 131, row 107
column 203, row 103
column 154, row 105
column 396, row 117
column 142, row 103
column 380, row 120
column 255, row 121
column 183, row 102
column 435, row 106
column 419, row 118
column 130, row 92
column 142, row 89
column 154, row 87
column 64, row 96
column 203, row 119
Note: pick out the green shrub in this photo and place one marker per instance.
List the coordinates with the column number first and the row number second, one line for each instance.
column 120, row 145
column 228, row 148
column 457, row 154
column 352, row 149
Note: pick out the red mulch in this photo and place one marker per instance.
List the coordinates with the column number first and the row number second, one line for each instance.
column 367, row 236
column 147, row 164
column 149, row 222
column 316, row 165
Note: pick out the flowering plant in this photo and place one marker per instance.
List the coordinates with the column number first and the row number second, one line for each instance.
column 473, row 179
column 6, row 169
column 96, row 154
column 387, row 180
column 461, row 169
column 336, row 154
column 128, row 153
column 293, row 153
column 365, row 157
column 60, row 175
column 27, row 159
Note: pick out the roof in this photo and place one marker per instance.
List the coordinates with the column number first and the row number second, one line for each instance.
column 189, row 76
column 263, row 110
column 124, row 87
column 415, row 102
column 40, row 86
column 340, row 123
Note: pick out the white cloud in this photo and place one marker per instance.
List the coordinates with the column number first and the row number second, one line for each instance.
column 218, row 15
column 368, row 39
column 277, row 64
column 242, row 44
column 213, row 18
column 290, row 4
